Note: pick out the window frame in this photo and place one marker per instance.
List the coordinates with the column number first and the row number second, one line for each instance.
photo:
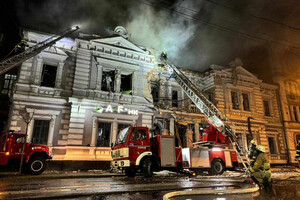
column 269, row 108
column 10, row 84
column 42, row 74
column 238, row 100
column 275, row 143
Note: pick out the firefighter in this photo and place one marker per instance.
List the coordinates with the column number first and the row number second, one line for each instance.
column 252, row 153
column 21, row 46
column 164, row 55
column 261, row 172
column 297, row 157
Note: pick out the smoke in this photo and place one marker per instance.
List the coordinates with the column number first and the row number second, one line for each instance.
column 189, row 31
column 161, row 30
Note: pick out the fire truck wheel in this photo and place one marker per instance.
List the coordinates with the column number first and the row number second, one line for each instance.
column 217, row 167
column 36, row 165
column 130, row 172
column 147, row 167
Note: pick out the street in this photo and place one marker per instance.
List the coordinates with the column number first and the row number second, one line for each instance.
column 117, row 186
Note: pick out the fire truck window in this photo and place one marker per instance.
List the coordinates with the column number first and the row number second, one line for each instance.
column 20, row 140
column 138, row 134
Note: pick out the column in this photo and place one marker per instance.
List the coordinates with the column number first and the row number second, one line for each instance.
column 30, row 130
column 51, row 131
column 114, row 131
column 99, row 78
column 94, row 132
column 171, row 128
column 59, row 74
column 197, row 133
column 38, row 71
column 117, row 84
column 298, row 114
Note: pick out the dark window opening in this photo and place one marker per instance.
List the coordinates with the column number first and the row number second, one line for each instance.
column 295, row 114
column 246, row 104
column 235, row 100
column 103, row 137
column 155, row 91
column 174, row 98
column 9, row 81
column 272, row 145
column 48, row 75
column 40, row 132
column 267, row 108
column 126, row 83
column 108, row 79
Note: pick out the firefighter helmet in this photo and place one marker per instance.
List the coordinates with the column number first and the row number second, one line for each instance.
column 261, row 148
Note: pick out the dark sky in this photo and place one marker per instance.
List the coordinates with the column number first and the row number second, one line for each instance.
column 195, row 34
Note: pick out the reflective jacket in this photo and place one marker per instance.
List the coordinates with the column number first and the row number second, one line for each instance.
column 297, row 153
column 261, row 163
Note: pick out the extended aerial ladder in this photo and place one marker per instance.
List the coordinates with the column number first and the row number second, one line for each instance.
column 15, row 60
column 213, row 115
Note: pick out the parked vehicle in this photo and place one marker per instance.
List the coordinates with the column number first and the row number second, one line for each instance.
column 136, row 151
column 35, row 155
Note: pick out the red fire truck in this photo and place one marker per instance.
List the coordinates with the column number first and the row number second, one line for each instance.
column 35, row 155
column 136, row 151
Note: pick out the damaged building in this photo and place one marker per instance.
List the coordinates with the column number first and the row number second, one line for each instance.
column 81, row 92
column 236, row 92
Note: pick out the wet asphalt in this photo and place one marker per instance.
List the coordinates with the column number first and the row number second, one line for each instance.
column 121, row 187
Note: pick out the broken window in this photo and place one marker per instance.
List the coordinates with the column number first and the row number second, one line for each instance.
column 155, row 91
column 272, row 145
column 267, row 108
column 9, row 80
column 126, row 83
column 235, row 100
column 246, row 105
column 48, row 75
column 174, row 98
column 108, row 79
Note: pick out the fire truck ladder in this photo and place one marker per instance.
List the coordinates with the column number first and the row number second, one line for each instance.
column 210, row 111
column 15, row 60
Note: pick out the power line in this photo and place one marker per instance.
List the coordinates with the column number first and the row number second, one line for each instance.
column 257, row 17
column 234, row 24
column 219, row 27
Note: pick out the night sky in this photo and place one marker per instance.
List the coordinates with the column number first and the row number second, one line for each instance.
column 195, row 34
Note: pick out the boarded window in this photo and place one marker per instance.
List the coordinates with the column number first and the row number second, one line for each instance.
column 103, row 137
column 246, row 104
column 272, row 145
column 267, row 108
column 174, row 98
column 48, row 75
column 235, row 100
column 108, row 79
column 40, row 132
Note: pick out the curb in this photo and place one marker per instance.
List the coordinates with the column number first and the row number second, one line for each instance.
column 220, row 192
column 60, row 176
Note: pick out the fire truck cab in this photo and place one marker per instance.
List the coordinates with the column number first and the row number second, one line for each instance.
column 135, row 151
column 35, row 155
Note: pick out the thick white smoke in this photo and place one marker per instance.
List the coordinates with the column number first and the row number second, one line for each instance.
column 161, row 30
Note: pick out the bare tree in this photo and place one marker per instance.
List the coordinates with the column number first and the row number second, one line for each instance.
column 25, row 117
